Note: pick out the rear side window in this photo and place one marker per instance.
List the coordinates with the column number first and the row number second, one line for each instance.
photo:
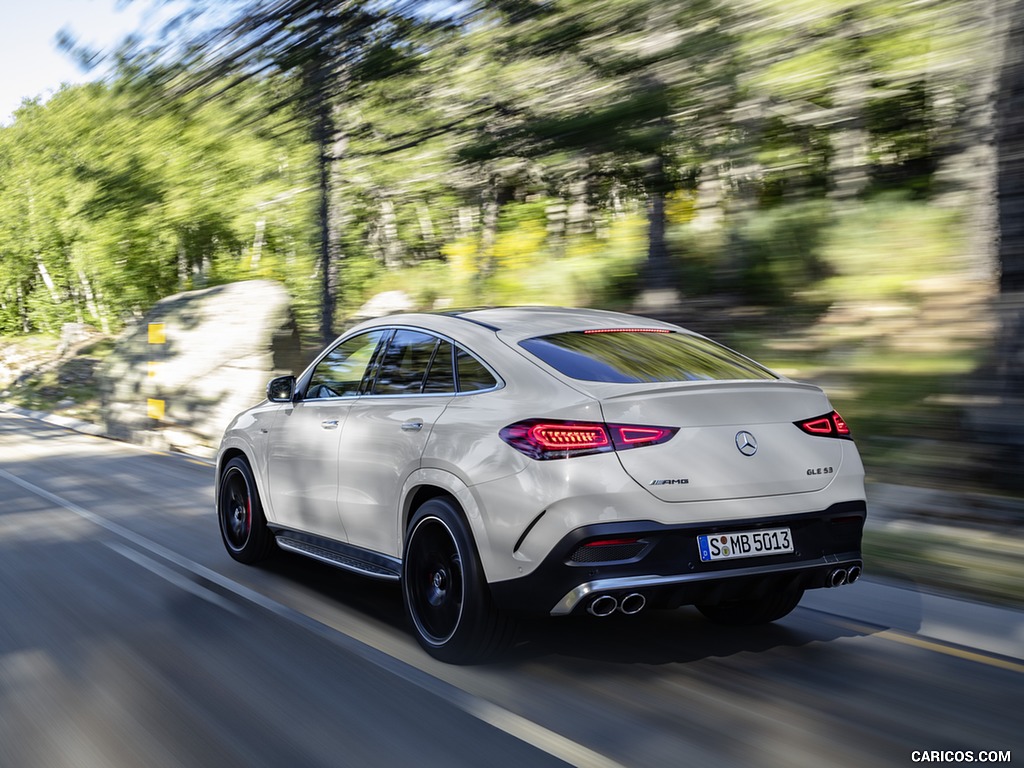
column 416, row 362
column 642, row 356
column 403, row 366
column 441, row 376
column 473, row 376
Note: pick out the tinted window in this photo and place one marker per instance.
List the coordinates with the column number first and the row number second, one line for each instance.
column 403, row 366
column 630, row 356
column 341, row 371
column 441, row 376
column 472, row 373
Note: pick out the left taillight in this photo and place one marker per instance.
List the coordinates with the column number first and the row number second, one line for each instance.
column 827, row 425
column 545, row 439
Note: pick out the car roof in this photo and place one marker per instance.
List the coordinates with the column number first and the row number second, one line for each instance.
column 517, row 323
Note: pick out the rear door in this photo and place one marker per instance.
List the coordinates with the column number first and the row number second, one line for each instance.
column 386, row 431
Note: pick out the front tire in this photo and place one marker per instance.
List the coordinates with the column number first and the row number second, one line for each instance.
column 444, row 591
column 749, row 613
column 243, row 528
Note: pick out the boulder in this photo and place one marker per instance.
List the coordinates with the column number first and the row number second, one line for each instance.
column 176, row 379
column 385, row 303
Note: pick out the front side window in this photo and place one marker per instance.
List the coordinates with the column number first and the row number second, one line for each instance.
column 642, row 356
column 340, row 373
column 399, row 361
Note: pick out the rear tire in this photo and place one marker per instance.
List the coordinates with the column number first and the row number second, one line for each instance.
column 243, row 528
column 749, row 613
column 446, row 597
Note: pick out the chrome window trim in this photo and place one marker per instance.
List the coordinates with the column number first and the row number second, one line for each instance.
column 389, row 331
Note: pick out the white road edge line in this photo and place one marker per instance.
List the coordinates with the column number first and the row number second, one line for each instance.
column 519, row 727
column 173, row 577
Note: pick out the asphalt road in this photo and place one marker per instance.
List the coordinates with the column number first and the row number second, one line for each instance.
column 129, row 638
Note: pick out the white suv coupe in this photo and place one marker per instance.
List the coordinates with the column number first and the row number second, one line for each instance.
column 543, row 460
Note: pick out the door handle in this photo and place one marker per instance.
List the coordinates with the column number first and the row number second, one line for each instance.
column 329, row 424
column 412, row 426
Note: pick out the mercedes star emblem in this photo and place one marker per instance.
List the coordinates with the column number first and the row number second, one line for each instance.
column 747, row 443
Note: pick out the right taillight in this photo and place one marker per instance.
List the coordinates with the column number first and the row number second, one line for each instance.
column 545, row 439
column 828, row 425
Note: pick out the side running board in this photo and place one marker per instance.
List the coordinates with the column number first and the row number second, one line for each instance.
column 365, row 563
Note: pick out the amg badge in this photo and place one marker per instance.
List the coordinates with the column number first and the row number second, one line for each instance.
column 676, row 481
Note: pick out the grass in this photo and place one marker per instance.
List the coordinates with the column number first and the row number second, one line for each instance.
column 982, row 565
column 900, row 405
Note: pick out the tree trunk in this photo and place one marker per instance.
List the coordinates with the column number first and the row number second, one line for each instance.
column 1010, row 194
column 327, row 266
column 51, row 287
column 999, row 420
column 258, row 241
column 390, row 245
column 657, row 271
column 500, row 195
column 579, row 220
column 849, row 166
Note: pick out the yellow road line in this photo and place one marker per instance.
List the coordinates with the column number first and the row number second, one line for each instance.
column 898, row 636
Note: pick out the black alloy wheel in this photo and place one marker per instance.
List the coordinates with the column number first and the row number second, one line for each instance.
column 242, row 524
column 446, row 597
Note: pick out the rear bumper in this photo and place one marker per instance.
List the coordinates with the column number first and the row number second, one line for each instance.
column 668, row 572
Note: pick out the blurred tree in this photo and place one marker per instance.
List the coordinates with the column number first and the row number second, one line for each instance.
column 631, row 90
column 105, row 210
column 316, row 53
column 1002, row 422
column 433, row 141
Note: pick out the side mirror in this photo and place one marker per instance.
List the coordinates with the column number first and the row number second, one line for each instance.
column 281, row 389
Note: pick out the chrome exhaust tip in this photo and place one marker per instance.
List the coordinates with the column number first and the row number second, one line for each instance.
column 632, row 604
column 837, row 578
column 853, row 574
column 603, row 605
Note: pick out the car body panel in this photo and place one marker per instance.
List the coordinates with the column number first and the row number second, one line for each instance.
column 380, row 447
column 302, row 466
column 593, row 489
column 704, row 460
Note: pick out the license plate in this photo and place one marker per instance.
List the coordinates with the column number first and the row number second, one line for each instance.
column 727, row 546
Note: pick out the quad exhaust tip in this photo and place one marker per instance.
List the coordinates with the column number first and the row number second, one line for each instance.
column 841, row 576
column 606, row 605
column 632, row 604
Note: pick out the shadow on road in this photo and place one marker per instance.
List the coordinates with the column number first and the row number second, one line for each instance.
column 654, row 637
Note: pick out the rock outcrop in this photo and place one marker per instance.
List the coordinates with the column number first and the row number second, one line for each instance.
column 177, row 378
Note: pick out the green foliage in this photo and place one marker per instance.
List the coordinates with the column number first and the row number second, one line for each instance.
column 105, row 211
column 593, row 271
column 782, row 252
column 878, row 250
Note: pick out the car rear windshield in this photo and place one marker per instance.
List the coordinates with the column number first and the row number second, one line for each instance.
column 642, row 356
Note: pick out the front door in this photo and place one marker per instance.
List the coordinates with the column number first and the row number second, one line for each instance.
column 303, row 465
